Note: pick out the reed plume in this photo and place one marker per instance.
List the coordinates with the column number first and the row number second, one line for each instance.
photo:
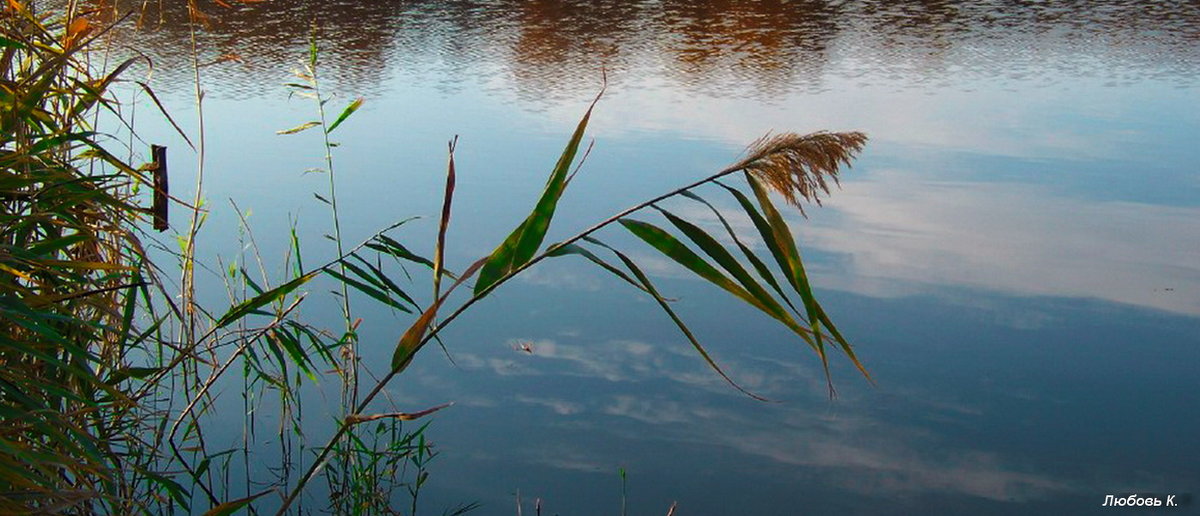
column 801, row 166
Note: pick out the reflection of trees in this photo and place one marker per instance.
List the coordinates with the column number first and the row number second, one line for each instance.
column 254, row 45
column 550, row 47
column 766, row 44
column 562, row 46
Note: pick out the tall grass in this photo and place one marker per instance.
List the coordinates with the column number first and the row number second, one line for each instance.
column 72, row 277
column 111, row 373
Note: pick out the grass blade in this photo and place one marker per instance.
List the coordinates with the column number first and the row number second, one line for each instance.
column 675, row 250
column 563, row 250
column 717, row 252
column 388, row 245
column 381, row 279
column 798, row 277
column 231, row 507
column 375, row 293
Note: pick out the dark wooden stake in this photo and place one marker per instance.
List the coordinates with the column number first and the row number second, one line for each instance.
column 159, row 209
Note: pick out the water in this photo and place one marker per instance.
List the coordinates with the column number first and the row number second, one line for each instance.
column 1015, row 255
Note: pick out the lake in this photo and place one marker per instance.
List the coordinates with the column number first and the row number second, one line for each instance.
column 1015, row 255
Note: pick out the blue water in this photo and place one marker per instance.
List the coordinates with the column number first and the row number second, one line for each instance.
column 1015, row 255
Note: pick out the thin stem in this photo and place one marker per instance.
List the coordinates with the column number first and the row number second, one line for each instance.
column 351, row 367
column 189, row 253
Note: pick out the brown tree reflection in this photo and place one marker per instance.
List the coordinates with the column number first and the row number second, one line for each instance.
column 545, row 49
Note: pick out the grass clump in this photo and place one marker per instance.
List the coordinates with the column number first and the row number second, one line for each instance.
column 71, row 276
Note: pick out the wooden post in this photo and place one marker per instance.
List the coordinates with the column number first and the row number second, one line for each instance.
column 159, row 208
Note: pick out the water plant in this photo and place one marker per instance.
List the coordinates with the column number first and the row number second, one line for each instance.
column 72, row 278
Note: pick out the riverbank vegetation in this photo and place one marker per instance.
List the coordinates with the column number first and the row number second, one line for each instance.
column 109, row 360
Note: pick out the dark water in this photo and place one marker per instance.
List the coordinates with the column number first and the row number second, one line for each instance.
column 1016, row 255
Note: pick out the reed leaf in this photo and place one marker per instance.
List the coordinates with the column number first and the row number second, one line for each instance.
column 232, row 507
column 523, row 242
column 439, row 250
column 302, row 127
column 244, row 308
column 414, row 338
column 722, row 257
column 672, row 248
column 373, row 292
column 569, row 249
column 381, row 279
column 760, row 267
column 390, row 246
column 350, row 109
column 789, row 260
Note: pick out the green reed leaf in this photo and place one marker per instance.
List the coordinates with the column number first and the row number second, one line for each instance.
column 671, row 247
column 176, row 491
column 761, row 268
column 523, row 242
column 246, row 307
column 798, row 278
column 674, row 249
column 350, row 109
column 391, row 246
column 777, row 249
column 291, row 345
column 381, row 278
column 375, row 293
column 719, row 254
column 564, row 250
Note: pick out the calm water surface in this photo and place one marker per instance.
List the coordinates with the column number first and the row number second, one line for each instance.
column 1016, row 254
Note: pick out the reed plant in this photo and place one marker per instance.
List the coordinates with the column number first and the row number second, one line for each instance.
column 110, row 372
column 73, row 279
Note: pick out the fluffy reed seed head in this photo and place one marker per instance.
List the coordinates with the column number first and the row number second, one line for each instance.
column 801, row 166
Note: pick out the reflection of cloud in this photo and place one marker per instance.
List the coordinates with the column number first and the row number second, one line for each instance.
column 655, row 412
column 896, row 467
column 561, row 278
column 1012, row 238
column 635, row 361
column 559, row 406
column 855, row 452
column 499, row 366
column 570, row 458
column 616, row 360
